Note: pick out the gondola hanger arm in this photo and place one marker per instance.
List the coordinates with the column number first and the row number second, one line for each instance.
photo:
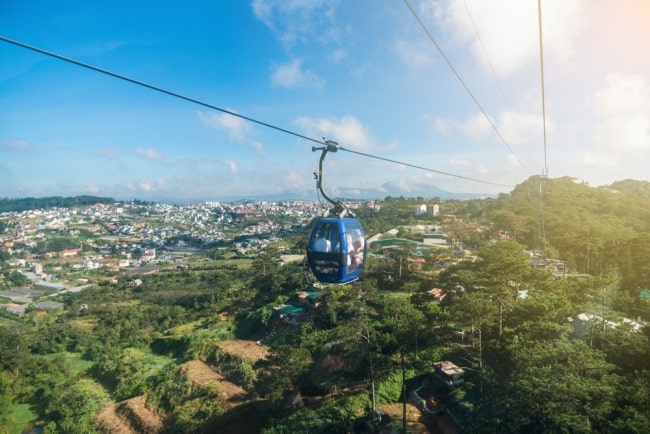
column 338, row 208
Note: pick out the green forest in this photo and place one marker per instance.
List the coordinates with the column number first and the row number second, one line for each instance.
column 544, row 311
column 30, row 203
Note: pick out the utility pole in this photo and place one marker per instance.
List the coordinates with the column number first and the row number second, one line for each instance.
column 404, row 394
column 366, row 336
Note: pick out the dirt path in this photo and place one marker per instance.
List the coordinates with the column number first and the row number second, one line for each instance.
column 133, row 417
column 247, row 350
column 201, row 374
column 112, row 423
column 414, row 419
column 129, row 417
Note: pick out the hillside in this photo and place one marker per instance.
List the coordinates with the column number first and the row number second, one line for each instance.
column 591, row 228
column 266, row 349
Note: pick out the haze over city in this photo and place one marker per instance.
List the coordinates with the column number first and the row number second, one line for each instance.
column 367, row 75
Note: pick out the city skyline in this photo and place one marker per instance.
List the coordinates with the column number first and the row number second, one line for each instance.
column 368, row 76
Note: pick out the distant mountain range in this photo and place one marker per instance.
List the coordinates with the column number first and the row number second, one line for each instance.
column 391, row 189
column 388, row 189
column 415, row 190
column 426, row 191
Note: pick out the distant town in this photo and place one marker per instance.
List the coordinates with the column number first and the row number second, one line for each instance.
column 57, row 250
column 135, row 298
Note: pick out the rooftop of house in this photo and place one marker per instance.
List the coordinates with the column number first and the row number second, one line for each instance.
column 448, row 368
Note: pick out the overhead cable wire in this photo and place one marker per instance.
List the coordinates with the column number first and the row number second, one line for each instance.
column 462, row 82
column 152, row 87
column 494, row 74
column 424, row 168
column 545, row 175
column 229, row 112
column 489, row 61
column 541, row 63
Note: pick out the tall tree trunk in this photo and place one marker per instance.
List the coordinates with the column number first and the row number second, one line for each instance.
column 480, row 347
column 501, row 309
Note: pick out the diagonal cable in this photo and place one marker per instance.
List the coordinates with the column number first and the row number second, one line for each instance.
column 469, row 92
column 156, row 88
column 195, row 101
column 424, row 168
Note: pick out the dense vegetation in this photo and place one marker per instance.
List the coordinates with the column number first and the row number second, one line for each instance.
column 510, row 325
column 597, row 231
column 30, row 203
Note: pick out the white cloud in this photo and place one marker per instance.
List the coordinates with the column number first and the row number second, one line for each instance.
column 512, row 162
column 290, row 75
column 404, row 184
column 144, row 186
column 109, row 154
column 442, row 126
column 516, row 128
column 236, row 127
column 623, row 108
column 256, row 144
column 507, row 30
column 149, row 154
column 520, row 127
column 337, row 55
column 413, row 54
column 263, row 11
column 290, row 180
column 598, row 160
column 92, row 189
column 347, row 131
column 619, row 144
column 482, row 169
column 232, row 165
column 459, row 162
column 296, row 21
column 476, row 127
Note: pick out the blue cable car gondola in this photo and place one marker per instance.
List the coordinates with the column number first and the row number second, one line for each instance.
column 337, row 247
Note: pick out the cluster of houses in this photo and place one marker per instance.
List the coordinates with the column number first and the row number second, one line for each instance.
column 584, row 323
column 128, row 236
column 38, row 297
column 124, row 236
column 132, row 227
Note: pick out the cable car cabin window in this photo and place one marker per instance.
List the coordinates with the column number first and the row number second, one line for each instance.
column 337, row 249
column 355, row 245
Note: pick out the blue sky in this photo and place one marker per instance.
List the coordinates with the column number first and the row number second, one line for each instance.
column 363, row 73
